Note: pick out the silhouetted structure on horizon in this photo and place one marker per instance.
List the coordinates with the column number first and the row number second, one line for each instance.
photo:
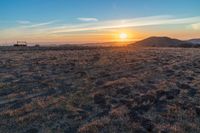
column 21, row 44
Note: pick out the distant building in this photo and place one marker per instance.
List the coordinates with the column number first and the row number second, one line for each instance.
column 20, row 44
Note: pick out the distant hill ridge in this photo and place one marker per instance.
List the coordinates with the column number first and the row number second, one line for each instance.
column 166, row 42
column 195, row 41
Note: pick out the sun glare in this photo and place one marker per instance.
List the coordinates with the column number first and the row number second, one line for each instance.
column 123, row 36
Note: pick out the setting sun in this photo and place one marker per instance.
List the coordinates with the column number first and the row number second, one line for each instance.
column 123, row 36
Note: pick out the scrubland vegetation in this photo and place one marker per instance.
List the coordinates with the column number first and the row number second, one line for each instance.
column 101, row 90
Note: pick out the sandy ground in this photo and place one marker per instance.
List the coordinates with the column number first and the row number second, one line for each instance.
column 100, row 90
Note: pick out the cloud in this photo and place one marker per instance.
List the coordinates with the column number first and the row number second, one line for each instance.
column 125, row 23
column 52, row 28
column 195, row 26
column 40, row 24
column 88, row 19
column 23, row 22
column 28, row 30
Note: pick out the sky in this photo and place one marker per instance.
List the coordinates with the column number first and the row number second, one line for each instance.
column 86, row 21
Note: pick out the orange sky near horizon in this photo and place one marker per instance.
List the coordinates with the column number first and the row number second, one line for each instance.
column 102, row 36
column 91, row 34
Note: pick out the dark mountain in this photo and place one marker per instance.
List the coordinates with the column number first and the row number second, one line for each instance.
column 194, row 41
column 161, row 42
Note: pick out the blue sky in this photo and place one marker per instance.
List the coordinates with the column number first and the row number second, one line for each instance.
column 79, row 17
column 68, row 10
